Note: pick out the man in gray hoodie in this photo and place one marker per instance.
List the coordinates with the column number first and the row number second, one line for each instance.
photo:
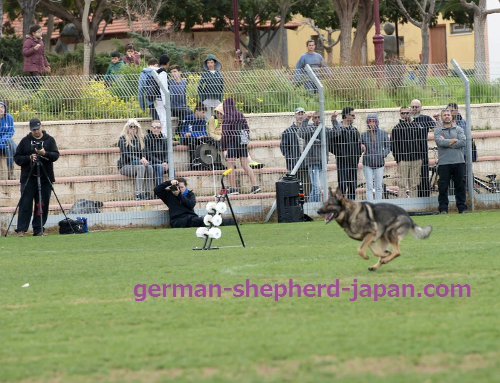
column 450, row 140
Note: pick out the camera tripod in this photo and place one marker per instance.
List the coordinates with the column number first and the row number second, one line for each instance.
column 38, row 165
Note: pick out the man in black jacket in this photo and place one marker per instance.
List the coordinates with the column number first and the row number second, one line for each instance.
column 35, row 154
column 345, row 143
column 180, row 202
column 408, row 142
column 291, row 150
column 425, row 123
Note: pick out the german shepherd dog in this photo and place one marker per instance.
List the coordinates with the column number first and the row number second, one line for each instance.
column 369, row 223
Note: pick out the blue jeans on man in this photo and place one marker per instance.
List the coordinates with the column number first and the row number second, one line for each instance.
column 314, row 172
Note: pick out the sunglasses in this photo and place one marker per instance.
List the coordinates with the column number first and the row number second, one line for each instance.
column 316, row 117
column 156, row 127
column 405, row 112
column 133, row 127
column 414, row 106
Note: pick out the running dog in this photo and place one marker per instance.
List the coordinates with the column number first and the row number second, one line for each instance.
column 369, row 223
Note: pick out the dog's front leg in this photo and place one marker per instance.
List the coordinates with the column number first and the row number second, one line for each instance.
column 367, row 241
column 376, row 265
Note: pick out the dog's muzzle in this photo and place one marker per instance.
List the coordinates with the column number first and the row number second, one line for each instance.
column 331, row 216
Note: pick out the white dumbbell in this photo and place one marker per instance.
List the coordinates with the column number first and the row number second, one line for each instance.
column 221, row 207
column 207, row 219
column 214, row 233
column 201, row 232
column 211, row 207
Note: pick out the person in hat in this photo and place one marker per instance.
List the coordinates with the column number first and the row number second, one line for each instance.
column 37, row 147
column 291, row 150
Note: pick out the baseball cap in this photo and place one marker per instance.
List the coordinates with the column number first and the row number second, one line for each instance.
column 297, row 110
column 35, row 124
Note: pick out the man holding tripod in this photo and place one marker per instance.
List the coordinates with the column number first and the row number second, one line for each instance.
column 35, row 154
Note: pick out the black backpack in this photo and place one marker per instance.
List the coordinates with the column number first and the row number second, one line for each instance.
column 70, row 226
column 151, row 88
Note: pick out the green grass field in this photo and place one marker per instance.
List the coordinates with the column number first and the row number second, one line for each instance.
column 78, row 321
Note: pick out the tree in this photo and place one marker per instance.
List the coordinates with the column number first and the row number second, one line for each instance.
column 364, row 23
column 427, row 11
column 147, row 10
column 480, row 14
column 346, row 10
column 74, row 12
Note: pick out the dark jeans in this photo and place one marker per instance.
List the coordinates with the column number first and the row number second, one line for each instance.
column 187, row 220
column 455, row 172
column 29, row 193
column 34, row 81
column 195, row 221
column 347, row 177
column 424, row 188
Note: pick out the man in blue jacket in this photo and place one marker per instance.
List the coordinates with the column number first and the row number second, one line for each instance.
column 7, row 144
column 193, row 131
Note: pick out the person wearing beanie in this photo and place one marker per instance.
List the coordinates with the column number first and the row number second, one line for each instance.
column 376, row 146
column 7, row 144
column 36, row 152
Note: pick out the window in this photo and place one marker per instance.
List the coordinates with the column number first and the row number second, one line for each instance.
column 460, row 29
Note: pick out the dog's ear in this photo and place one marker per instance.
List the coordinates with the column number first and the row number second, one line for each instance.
column 339, row 196
column 330, row 190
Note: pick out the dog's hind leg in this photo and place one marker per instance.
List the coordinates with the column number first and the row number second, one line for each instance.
column 367, row 241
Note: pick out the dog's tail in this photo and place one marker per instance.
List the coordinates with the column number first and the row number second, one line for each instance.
column 422, row 232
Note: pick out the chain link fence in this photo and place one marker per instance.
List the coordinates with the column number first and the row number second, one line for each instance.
column 87, row 116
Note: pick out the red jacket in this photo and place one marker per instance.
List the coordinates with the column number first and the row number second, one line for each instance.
column 34, row 60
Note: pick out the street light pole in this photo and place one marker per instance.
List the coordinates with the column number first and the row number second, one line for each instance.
column 378, row 39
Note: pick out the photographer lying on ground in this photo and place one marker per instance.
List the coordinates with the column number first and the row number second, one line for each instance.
column 181, row 202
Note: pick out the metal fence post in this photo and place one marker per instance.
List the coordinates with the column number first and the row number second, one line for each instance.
column 324, row 148
column 170, row 145
column 468, row 133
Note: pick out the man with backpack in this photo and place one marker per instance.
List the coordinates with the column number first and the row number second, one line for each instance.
column 146, row 88
column 151, row 92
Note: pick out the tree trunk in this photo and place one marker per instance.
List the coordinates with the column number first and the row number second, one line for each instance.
column 345, row 10
column 365, row 22
column 479, row 46
column 87, row 43
column 28, row 8
column 1, row 17
column 47, row 37
column 424, row 62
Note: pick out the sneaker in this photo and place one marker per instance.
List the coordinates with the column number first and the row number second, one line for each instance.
column 138, row 196
column 443, row 212
column 255, row 189
column 232, row 191
column 256, row 165
column 20, row 233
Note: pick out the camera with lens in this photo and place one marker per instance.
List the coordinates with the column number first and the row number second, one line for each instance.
column 173, row 188
column 36, row 144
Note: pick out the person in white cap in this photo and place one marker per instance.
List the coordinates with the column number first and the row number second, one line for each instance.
column 36, row 147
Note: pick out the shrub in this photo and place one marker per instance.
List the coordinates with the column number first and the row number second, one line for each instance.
column 11, row 58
